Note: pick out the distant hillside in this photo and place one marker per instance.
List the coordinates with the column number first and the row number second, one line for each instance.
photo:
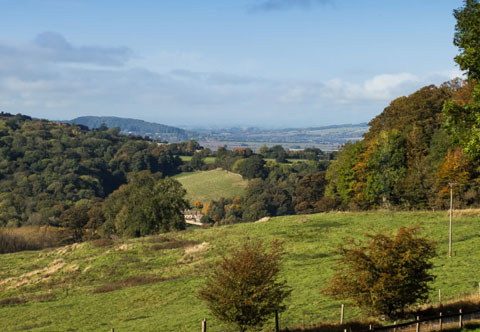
column 136, row 127
column 328, row 138
column 212, row 185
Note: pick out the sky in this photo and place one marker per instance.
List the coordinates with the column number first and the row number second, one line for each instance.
column 221, row 63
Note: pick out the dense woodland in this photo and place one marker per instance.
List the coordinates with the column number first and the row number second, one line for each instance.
column 46, row 167
column 407, row 159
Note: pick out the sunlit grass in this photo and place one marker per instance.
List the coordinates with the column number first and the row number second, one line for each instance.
column 212, row 185
column 180, row 261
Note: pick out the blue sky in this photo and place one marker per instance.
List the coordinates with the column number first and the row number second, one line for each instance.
column 265, row 63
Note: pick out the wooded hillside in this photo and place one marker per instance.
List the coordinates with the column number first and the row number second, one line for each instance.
column 47, row 167
column 407, row 159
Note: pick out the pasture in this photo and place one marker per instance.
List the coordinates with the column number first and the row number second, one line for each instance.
column 205, row 186
column 150, row 284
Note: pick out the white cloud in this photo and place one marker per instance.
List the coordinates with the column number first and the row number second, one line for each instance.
column 35, row 80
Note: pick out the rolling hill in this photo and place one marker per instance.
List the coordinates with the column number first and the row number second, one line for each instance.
column 150, row 284
column 136, row 127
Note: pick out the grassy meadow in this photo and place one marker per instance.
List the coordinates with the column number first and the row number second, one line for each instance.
column 205, row 186
column 207, row 160
column 150, row 284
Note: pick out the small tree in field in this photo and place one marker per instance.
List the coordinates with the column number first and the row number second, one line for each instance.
column 244, row 289
column 385, row 275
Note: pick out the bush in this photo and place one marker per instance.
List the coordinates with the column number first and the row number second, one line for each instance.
column 13, row 243
column 14, row 239
column 244, row 289
column 386, row 274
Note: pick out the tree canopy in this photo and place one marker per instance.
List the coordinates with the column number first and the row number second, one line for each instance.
column 386, row 274
column 462, row 112
column 146, row 205
column 245, row 288
column 46, row 167
column 467, row 38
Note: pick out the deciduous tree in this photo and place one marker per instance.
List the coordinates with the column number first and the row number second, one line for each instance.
column 386, row 274
column 245, row 288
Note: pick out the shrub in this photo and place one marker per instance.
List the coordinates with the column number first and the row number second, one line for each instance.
column 13, row 243
column 386, row 274
column 244, row 288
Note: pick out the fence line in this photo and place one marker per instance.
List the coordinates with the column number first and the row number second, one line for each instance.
column 431, row 323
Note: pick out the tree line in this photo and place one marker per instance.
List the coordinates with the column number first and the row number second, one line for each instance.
column 53, row 173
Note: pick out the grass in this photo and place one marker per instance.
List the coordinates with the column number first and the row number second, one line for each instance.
column 211, row 185
column 150, row 284
column 207, row 160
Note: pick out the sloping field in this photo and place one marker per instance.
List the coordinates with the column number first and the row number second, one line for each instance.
column 150, row 284
column 207, row 160
column 212, row 185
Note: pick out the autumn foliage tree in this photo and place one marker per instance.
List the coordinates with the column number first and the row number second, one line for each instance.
column 245, row 289
column 309, row 193
column 455, row 169
column 386, row 274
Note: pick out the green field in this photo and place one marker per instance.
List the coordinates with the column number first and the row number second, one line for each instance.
column 211, row 185
column 92, row 288
column 207, row 160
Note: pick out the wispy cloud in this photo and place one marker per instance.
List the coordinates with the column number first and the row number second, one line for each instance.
column 215, row 78
column 52, row 48
column 35, row 80
column 273, row 5
column 57, row 48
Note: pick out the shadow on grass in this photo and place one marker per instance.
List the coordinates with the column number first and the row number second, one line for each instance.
column 26, row 299
column 469, row 304
column 305, row 256
column 332, row 327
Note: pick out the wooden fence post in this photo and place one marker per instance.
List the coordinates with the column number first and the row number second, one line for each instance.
column 277, row 326
column 460, row 319
column 418, row 324
column 441, row 321
column 113, row 330
column 342, row 314
column 440, row 297
column 370, row 327
column 204, row 325
column 395, row 327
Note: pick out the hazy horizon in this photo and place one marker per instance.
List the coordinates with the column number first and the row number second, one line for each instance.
column 245, row 63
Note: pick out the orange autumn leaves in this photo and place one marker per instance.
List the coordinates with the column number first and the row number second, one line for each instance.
column 455, row 169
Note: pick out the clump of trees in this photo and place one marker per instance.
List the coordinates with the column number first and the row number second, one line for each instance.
column 420, row 142
column 462, row 112
column 46, row 167
column 146, row 205
column 386, row 274
column 245, row 288
column 282, row 190
column 402, row 160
